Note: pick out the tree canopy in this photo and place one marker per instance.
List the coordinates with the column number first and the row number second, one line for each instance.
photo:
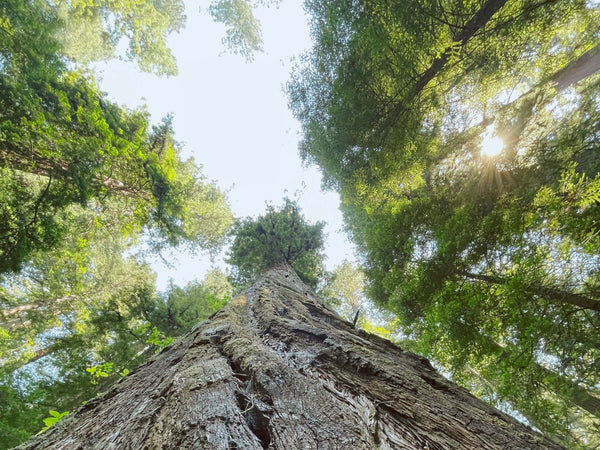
column 490, row 261
column 63, row 143
column 93, row 31
column 101, row 30
column 282, row 234
column 242, row 28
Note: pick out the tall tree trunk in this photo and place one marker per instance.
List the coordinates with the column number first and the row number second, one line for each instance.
column 278, row 369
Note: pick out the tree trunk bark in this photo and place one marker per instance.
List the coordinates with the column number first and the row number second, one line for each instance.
column 278, row 369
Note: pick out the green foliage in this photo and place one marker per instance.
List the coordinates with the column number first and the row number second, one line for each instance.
column 94, row 30
column 242, row 28
column 86, row 31
column 217, row 288
column 100, row 371
column 54, row 418
column 64, row 144
column 69, row 314
column 98, row 30
column 490, row 263
column 175, row 312
column 82, row 181
column 280, row 235
column 157, row 339
column 345, row 290
column 16, row 423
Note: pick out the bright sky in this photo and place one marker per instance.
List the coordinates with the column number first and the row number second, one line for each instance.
column 233, row 118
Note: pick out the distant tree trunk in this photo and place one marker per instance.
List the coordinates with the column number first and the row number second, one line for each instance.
column 278, row 369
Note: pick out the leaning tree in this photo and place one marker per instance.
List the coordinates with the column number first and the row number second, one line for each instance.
column 276, row 368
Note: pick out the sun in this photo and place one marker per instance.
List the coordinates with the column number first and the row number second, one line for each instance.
column 491, row 145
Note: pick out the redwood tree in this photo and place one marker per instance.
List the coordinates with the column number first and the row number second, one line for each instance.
column 277, row 368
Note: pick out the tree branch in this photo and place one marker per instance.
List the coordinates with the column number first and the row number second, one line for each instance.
column 483, row 15
column 552, row 294
column 22, row 308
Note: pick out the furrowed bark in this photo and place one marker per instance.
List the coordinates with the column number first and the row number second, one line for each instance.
column 278, row 369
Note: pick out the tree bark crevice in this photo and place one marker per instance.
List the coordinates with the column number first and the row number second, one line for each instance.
column 278, row 369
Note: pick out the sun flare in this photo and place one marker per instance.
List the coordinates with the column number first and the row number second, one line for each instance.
column 491, row 145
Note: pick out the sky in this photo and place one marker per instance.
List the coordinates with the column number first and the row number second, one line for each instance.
column 232, row 117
